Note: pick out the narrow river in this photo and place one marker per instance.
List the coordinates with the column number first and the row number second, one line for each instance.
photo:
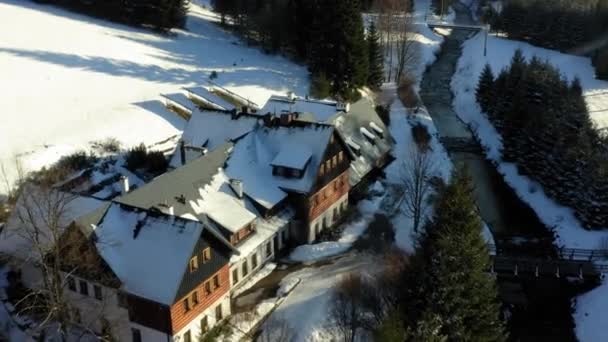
column 539, row 310
column 508, row 218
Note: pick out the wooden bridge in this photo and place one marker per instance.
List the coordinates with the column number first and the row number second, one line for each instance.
column 435, row 21
column 565, row 262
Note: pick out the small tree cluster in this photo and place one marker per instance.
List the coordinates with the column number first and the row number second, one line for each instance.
column 140, row 159
column 361, row 305
column 161, row 14
column 562, row 25
column 328, row 35
column 547, row 131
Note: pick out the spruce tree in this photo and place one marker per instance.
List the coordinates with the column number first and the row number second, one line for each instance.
column 376, row 60
column 485, row 89
column 449, row 281
column 339, row 48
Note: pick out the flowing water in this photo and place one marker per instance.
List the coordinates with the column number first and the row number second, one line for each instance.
column 539, row 309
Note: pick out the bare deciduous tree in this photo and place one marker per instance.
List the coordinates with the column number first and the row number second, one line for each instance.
column 418, row 170
column 43, row 224
column 397, row 34
column 380, row 294
column 347, row 307
column 276, row 329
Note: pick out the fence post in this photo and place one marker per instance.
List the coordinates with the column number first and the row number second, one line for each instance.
column 485, row 41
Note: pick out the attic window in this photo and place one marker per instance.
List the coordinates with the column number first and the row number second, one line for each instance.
column 193, row 265
column 206, row 255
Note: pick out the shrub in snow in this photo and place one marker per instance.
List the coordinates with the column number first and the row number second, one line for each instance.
column 108, row 145
column 421, row 136
column 320, row 87
column 139, row 158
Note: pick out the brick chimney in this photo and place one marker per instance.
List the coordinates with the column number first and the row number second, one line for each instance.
column 182, row 152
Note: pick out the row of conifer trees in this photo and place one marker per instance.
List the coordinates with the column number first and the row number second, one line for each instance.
column 328, row 35
column 547, row 131
column 579, row 26
column 162, row 15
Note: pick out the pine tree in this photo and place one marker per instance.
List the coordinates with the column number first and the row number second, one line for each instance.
column 450, row 278
column 485, row 89
column 391, row 329
column 320, row 87
column 376, row 60
column 339, row 48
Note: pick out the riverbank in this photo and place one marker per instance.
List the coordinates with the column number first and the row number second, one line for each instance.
column 538, row 309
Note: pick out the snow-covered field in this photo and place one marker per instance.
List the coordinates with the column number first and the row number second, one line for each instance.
column 590, row 307
column 69, row 79
column 499, row 56
column 590, row 315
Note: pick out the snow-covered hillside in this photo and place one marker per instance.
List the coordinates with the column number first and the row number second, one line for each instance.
column 499, row 56
column 68, row 79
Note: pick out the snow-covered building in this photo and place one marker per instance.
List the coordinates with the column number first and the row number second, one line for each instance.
column 368, row 140
column 307, row 109
column 303, row 166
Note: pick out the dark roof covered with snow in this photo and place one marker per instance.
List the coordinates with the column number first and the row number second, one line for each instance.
column 321, row 110
column 149, row 251
column 210, row 129
column 179, row 99
column 204, row 95
column 367, row 137
column 176, row 188
column 253, row 156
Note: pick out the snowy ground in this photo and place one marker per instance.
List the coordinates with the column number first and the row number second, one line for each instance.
column 307, row 308
column 425, row 42
column 401, row 130
column 69, row 79
column 590, row 315
column 499, row 55
column 590, row 308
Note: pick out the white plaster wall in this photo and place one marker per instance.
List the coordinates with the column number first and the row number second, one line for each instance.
column 328, row 214
column 92, row 310
column 262, row 259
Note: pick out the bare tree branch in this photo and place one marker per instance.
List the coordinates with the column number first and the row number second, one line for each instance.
column 417, row 172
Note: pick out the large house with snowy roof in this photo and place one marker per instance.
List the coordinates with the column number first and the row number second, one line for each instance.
column 244, row 185
column 149, row 275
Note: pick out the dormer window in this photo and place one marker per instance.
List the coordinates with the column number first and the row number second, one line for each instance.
column 291, row 161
